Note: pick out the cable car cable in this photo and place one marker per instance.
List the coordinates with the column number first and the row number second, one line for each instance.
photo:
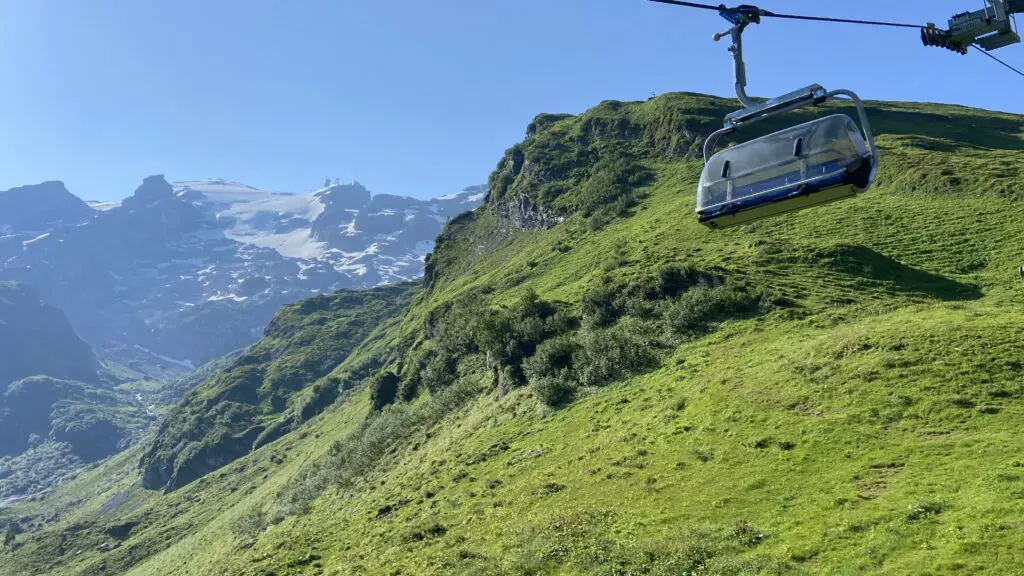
column 768, row 14
column 987, row 53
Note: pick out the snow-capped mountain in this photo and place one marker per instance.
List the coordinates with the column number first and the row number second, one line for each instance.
column 188, row 271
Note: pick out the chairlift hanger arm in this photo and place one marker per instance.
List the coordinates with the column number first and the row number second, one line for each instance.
column 752, row 10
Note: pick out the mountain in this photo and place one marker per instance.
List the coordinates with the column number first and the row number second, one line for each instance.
column 59, row 408
column 255, row 400
column 588, row 381
column 189, row 271
column 36, row 338
column 41, row 208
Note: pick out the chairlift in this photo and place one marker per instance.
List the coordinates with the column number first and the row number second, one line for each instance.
column 820, row 161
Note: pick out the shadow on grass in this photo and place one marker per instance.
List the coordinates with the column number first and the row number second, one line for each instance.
column 863, row 262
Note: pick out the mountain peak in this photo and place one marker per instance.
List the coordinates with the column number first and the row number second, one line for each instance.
column 344, row 196
column 193, row 269
column 470, row 194
column 153, row 189
column 41, row 207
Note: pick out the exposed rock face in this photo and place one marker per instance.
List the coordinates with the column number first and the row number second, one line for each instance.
column 192, row 270
column 36, row 339
column 522, row 213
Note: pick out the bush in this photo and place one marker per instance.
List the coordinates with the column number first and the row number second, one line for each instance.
column 612, row 354
column 251, row 523
column 609, row 192
column 598, row 305
column 702, row 305
column 513, row 333
column 439, row 372
column 552, row 358
column 554, row 391
column 549, row 371
column 674, row 279
column 645, row 297
column 923, row 510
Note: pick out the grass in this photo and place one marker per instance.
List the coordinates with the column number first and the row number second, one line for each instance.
column 864, row 423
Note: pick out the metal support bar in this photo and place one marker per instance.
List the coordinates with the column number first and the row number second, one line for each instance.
column 869, row 137
column 813, row 94
column 865, row 126
column 712, row 141
column 738, row 67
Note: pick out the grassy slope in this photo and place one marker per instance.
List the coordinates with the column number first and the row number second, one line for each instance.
column 250, row 402
column 870, row 430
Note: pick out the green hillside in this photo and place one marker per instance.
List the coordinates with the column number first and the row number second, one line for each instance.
column 257, row 398
column 589, row 382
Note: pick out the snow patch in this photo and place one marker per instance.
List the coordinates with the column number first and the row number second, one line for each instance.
column 295, row 244
column 36, row 239
column 229, row 296
column 357, row 269
column 101, row 206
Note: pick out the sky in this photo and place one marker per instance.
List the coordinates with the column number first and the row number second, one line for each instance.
column 408, row 97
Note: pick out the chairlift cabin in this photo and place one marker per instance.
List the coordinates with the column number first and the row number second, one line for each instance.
column 820, row 161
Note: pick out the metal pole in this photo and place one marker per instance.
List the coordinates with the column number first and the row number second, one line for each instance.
column 739, row 68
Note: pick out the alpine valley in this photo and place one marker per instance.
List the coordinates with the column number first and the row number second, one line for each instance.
column 105, row 308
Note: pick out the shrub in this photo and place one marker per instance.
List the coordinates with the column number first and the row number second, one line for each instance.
column 645, row 297
column 609, row 192
column 598, row 305
column 439, row 372
column 554, row 391
column 552, row 358
column 383, row 390
column 674, row 279
column 701, row 306
column 251, row 523
column 923, row 510
column 549, row 371
column 612, row 354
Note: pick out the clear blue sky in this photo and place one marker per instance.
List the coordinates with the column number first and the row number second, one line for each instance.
column 408, row 97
